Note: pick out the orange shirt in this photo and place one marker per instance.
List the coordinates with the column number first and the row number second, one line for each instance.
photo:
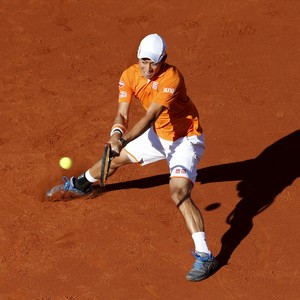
column 180, row 118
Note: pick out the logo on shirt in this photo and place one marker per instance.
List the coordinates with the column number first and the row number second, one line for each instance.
column 169, row 90
column 154, row 85
column 121, row 84
column 122, row 94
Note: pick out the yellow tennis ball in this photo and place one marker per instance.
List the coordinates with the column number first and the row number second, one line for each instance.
column 65, row 163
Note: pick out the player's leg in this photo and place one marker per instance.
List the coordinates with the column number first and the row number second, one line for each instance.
column 92, row 175
column 81, row 185
column 180, row 189
column 205, row 262
column 116, row 163
column 184, row 157
column 143, row 150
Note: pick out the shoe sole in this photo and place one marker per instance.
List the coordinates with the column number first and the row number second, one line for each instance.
column 58, row 193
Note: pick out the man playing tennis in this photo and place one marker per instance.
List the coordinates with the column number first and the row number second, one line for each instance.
column 169, row 130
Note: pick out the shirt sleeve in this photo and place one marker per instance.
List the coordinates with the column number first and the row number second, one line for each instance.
column 125, row 90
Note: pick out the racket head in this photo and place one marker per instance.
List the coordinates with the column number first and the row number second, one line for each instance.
column 106, row 159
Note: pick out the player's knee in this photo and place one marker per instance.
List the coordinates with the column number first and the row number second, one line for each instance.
column 179, row 196
column 180, row 189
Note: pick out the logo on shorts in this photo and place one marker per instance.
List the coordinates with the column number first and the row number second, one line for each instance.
column 154, row 85
column 121, row 84
column 122, row 94
column 180, row 171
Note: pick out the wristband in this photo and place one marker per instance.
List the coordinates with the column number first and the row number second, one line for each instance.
column 123, row 142
column 118, row 128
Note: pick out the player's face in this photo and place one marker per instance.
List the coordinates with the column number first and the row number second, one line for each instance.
column 148, row 68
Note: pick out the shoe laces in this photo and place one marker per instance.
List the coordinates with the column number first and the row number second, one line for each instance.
column 67, row 183
column 200, row 260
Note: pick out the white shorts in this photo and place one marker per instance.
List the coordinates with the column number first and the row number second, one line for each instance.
column 182, row 155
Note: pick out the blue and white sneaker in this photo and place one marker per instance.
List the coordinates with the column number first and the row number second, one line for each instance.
column 67, row 186
column 203, row 266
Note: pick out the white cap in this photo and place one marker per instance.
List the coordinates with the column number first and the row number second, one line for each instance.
column 153, row 47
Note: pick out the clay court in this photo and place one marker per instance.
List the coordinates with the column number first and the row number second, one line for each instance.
column 59, row 73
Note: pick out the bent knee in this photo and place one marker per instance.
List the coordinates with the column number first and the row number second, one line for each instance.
column 180, row 189
column 179, row 196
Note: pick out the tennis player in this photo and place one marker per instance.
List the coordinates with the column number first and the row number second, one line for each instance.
column 169, row 130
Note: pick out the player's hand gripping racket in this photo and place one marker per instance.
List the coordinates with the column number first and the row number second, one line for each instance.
column 106, row 160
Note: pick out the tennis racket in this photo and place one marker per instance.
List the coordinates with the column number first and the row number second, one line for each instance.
column 106, row 160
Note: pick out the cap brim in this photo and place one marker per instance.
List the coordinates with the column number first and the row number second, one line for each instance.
column 149, row 55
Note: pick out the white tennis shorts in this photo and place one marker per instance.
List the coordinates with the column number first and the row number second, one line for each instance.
column 182, row 155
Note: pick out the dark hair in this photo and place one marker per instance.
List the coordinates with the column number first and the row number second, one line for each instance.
column 165, row 57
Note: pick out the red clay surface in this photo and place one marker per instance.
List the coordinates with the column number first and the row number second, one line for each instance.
column 60, row 65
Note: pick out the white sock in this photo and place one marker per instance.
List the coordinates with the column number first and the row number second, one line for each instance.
column 89, row 177
column 200, row 242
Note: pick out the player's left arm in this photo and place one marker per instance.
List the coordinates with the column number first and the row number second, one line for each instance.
column 153, row 112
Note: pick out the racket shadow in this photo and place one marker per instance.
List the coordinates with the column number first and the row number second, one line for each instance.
column 142, row 183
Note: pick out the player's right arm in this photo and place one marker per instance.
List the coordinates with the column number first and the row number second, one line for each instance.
column 120, row 124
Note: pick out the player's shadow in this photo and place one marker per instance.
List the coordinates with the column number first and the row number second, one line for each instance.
column 260, row 180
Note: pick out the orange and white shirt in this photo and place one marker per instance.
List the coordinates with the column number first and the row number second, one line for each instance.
column 180, row 118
